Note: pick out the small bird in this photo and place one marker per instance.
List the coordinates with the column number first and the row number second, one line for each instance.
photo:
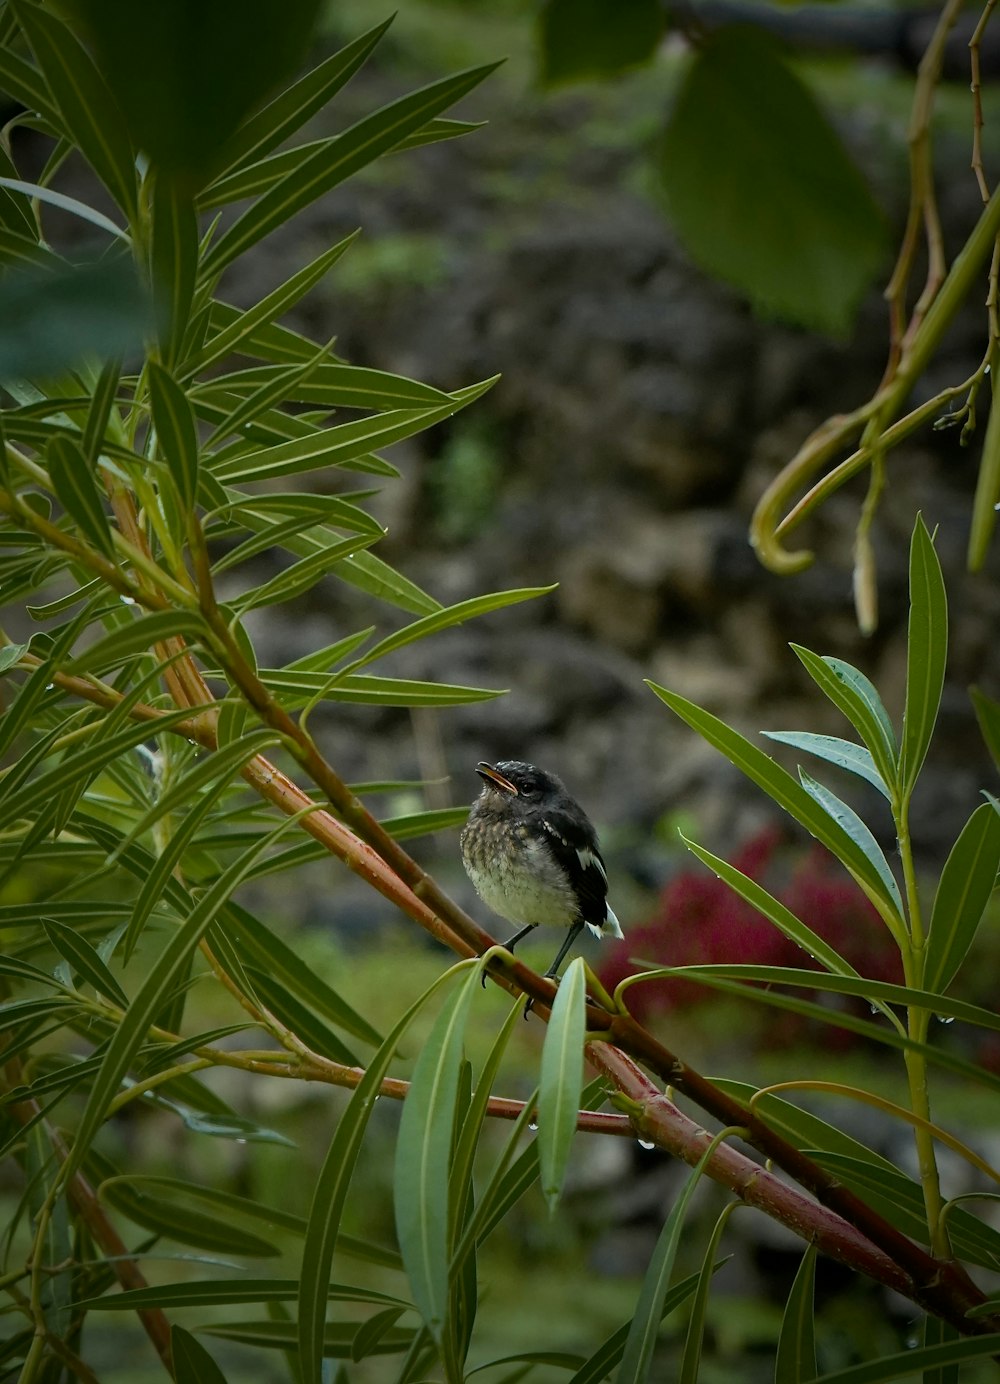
column 533, row 856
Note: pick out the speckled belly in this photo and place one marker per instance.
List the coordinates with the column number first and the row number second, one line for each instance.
column 520, row 882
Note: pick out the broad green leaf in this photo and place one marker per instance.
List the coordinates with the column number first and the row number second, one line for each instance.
column 173, row 263
column 137, row 637
column 84, row 958
column 773, row 909
column 159, row 982
column 561, row 1081
column 780, row 173
column 289, row 111
column 795, row 1362
column 926, row 655
column 9, row 655
column 843, row 753
column 185, row 74
column 423, row 1155
column 192, row 1362
column 356, row 147
column 267, row 951
column 609, row 1353
column 175, row 432
column 859, row 834
column 88, row 109
column 853, row 694
column 450, row 615
column 331, row 1194
column 215, row 1292
column 785, row 791
column 637, row 1357
column 237, row 330
column 967, row 883
column 344, row 442
column 76, row 487
column 988, row 716
column 597, row 38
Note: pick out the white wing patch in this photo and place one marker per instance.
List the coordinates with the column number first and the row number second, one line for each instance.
column 587, row 858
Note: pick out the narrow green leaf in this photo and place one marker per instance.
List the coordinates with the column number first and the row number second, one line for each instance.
column 843, row 753
column 175, row 432
column 27, row 85
column 173, row 263
column 710, row 1265
column 290, row 110
column 214, row 771
column 423, row 1155
column 369, row 573
column 302, row 1021
column 967, row 883
column 167, row 1216
column 268, row 952
column 99, row 412
column 322, row 660
column 303, row 575
column 68, row 204
column 344, row 442
column 450, row 615
column 159, row 982
column 608, row 1354
column 137, row 637
column 772, row 909
column 336, row 385
column 76, row 487
column 331, row 1194
column 988, row 716
column 337, row 1340
column 277, row 389
column 637, row 1357
column 264, row 338
column 935, row 1333
column 984, row 506
column 795, row 1362
column 859, row 834
column 926, row 655
column 853, row 694
column 295, row 689
column 412, row 824
column 437, row 130
column 89, row 759
column 85, row 959
column 216, row 1292
column 9, row 655
column 192, row 1362
column 371, row 1332
column 715, row 976
column 357, row 146
column 88, row 109
column 780, row 786
column 561, row 1081
column 238, row 329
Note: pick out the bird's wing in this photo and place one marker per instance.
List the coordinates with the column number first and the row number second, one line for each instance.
column 580, row 857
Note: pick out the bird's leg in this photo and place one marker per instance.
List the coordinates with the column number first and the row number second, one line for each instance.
column 570, row 938
column 518, row 936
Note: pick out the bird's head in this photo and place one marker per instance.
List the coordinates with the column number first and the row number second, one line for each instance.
column 517, row 782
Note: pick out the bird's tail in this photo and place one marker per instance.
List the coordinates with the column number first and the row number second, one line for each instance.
column 611, row 927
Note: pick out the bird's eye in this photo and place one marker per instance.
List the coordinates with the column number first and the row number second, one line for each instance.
column 528, row 787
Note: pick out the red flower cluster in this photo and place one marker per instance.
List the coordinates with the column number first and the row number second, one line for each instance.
column 701, row 921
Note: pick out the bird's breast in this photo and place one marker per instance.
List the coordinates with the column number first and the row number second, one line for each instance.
column 514, row 873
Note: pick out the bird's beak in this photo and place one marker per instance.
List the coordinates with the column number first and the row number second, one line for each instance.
column 495, row 780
